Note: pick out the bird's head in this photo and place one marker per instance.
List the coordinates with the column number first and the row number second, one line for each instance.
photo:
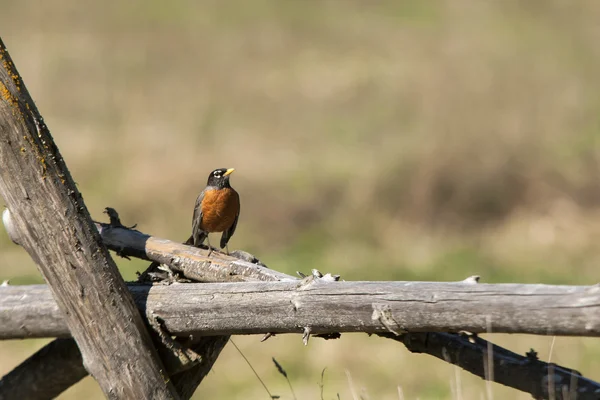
column 220, row 177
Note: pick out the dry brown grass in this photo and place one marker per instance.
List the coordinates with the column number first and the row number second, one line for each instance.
column 413, row 140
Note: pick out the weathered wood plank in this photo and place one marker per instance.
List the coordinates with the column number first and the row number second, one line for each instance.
column 55, row 228
column 134, row 243
column 327, row 307
column 459, row 347
column 191, row 261
column 46, row 373
column 526, row 373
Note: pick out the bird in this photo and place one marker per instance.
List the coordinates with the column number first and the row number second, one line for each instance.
column 217, row 209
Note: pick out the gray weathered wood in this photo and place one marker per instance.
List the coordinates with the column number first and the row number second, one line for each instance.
column 328, row 307
column 293, row 306
column 42, row 376
column 191, row 261
column 463, row 355
column 55, row 228
column 199, row 266
column 526, row 373
column 209, row 347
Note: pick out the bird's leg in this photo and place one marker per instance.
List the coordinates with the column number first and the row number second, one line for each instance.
column 227, row 249
column 210, row 249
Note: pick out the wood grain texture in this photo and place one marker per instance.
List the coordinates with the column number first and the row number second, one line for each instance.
column 329, row 307
column 42, row 375
column 193, row 262
column 542, row 380
column 521, row 373
column 190, row 261
column 187, row 307
column 55, row 228
column 526, row 373
column 210, row 348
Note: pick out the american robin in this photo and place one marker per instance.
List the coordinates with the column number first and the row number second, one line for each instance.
column 217, row 210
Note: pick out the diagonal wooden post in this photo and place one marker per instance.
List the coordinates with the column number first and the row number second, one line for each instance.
column 55, row 228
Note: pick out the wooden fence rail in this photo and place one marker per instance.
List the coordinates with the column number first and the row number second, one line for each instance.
column 379, row 307
column 329, row 307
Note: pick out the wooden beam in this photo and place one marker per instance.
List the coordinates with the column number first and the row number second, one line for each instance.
column 329, row 307
column 45, row 374
column 187, row 260
column 317, row 307
column 53, row 225
column 558, row 382
column 526, row 373
column 192, row 262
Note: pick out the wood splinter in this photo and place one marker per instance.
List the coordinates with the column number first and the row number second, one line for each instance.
column 306, row 335
column 175, row 356
column 267, row 336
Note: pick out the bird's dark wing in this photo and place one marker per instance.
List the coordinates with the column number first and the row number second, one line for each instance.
column 197, row 234
column 229, row 232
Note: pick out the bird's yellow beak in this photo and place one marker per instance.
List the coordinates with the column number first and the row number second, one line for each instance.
column 229, row 171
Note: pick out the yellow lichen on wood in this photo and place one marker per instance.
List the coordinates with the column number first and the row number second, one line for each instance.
column 7, row 95
column 9, row 67
column 38, row 154
column 43, row 162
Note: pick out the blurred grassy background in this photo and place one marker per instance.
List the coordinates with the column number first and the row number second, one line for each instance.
column 425, row 140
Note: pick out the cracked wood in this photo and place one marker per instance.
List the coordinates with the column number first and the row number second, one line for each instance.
column 55, row 228
column 327, row 307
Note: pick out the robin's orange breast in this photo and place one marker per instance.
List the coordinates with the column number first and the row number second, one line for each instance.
column 219, row 209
